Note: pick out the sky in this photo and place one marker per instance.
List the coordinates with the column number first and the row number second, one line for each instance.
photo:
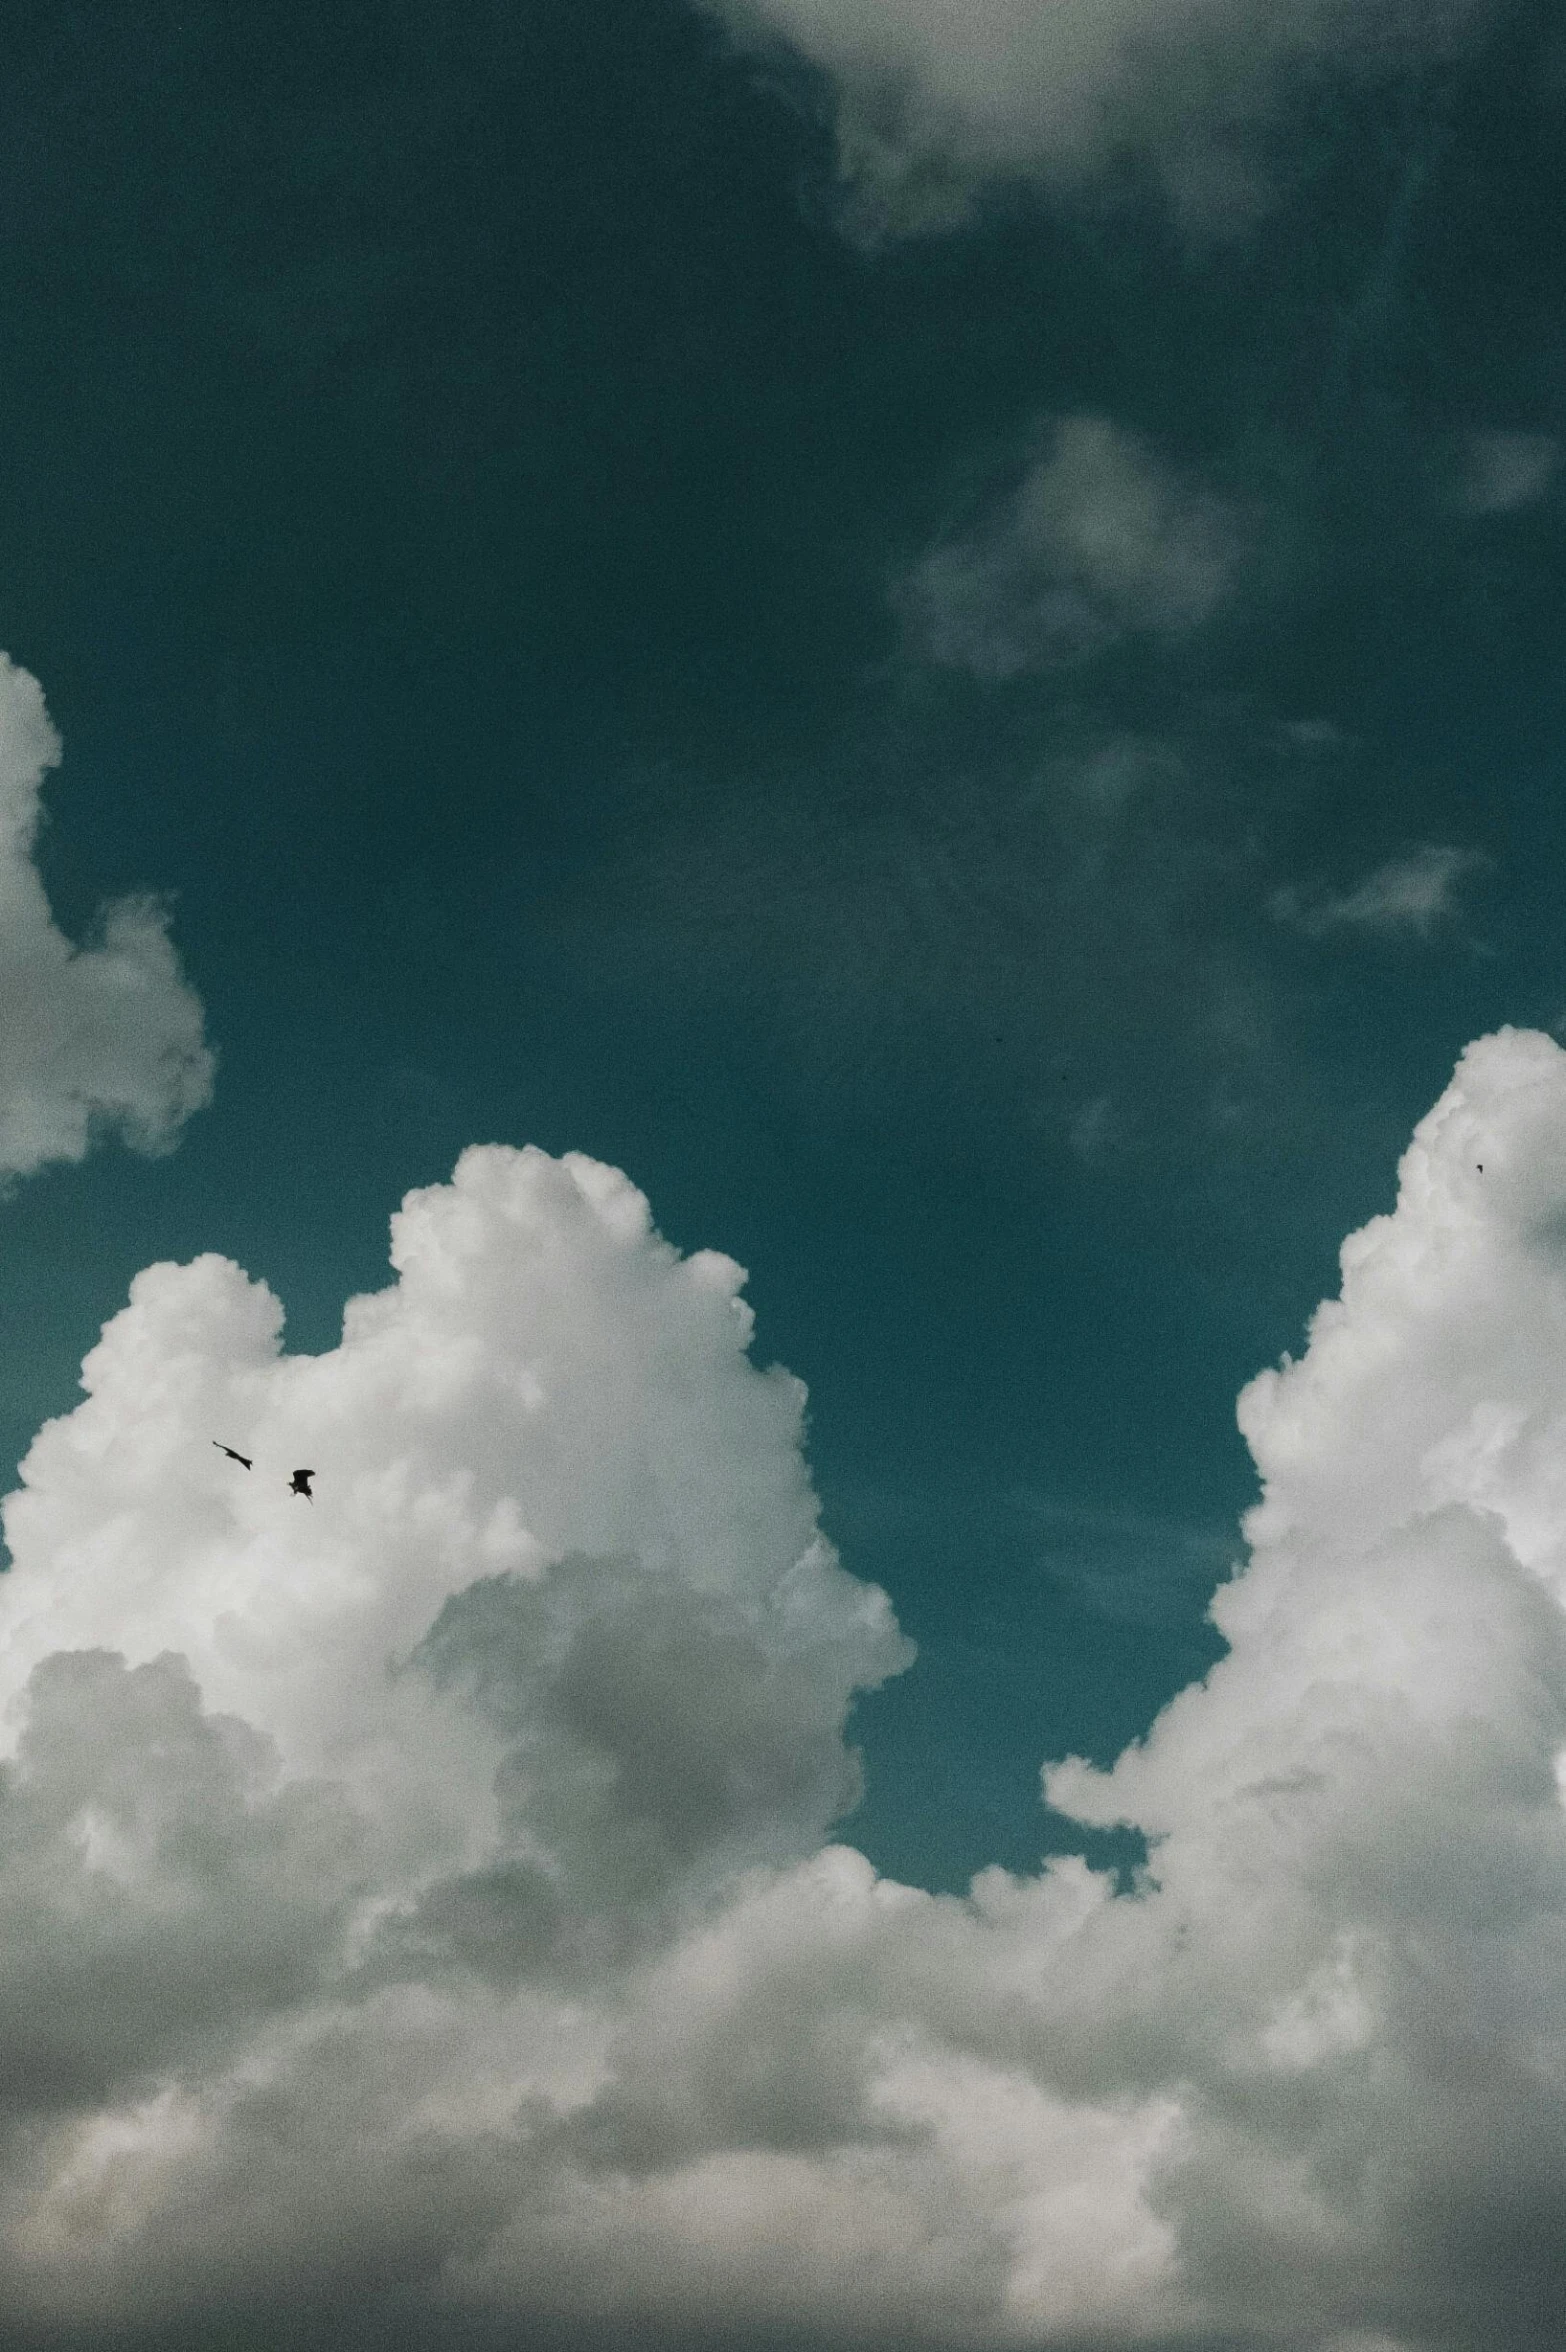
column 779, row 838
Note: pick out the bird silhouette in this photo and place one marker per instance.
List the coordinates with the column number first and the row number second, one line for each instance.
column 300, row 1484
column 244, row 1460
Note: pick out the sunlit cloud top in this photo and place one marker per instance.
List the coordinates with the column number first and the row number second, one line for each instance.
column 493, row 1790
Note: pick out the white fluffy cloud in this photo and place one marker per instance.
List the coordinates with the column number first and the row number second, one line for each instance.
column 1100, row 538
column 936, row 97
column 104, row 1036
column 421, row 1894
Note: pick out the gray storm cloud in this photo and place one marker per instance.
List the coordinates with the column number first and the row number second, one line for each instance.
column 428, row 1897
column 102, row 1036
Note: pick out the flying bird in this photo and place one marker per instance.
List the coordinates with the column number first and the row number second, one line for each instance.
column 300, row 1484
column 244, row 1460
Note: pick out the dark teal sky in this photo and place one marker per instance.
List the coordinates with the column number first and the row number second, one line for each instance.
column 457, row 478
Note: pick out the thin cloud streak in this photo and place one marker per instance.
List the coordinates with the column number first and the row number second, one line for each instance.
column 1414, row 895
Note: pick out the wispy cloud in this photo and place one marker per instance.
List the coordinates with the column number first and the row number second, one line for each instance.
column 103, row 1036
column 1095, row 1127
column 1501, row 472
column 937, row 99
column 1100, row 538
column 1059, row 910
column 1413, row 895
column 1127, row 1565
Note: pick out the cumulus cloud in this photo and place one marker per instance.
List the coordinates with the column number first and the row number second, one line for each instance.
column 936, row 99
column 102, row 1036
column 423, row 1896
column 1416, row 893
column 1100, row 539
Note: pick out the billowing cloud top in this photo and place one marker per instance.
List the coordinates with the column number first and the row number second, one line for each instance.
column 106, row 1035
column 419, row 1895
